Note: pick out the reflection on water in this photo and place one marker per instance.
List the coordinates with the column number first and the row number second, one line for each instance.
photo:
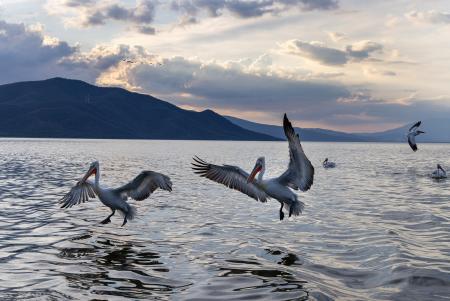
column 375, row 228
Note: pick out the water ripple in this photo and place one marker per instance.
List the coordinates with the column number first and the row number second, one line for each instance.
column 374, row 228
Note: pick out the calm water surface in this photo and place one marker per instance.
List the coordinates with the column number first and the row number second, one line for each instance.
column 375, row 228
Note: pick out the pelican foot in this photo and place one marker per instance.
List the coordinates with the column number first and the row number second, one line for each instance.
column 124, row 222
column 106, row 221
column 281, row 215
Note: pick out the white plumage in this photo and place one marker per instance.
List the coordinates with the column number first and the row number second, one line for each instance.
column 139, row 189
column 299, row 175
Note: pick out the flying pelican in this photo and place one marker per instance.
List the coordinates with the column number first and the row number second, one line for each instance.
column 328, row 164
column 412, row 133
column 299, row 175
column 116, row 198
column 439, row 173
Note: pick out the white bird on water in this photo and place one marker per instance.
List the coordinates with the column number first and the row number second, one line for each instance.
column 412, row 133
column 328, row 164
column 299, row 175
column 116, row 198
column 439, row 173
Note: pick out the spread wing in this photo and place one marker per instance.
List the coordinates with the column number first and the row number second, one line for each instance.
column 412, row 142
column 144, row 185
column 415, row 126
column 300, row 172
column 231, row 176
column 80, row 193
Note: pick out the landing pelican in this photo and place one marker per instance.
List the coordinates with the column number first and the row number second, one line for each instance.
column 116, row 199
column 299, row 175
column 412, row 133
column 328, row 164
column 439, row 173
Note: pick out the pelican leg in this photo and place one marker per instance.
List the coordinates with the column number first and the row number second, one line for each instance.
column 290, row 211
column 281, row 212
column 124, row 221
column 108, row 219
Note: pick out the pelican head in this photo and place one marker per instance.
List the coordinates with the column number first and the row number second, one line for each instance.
column 259, row 165
column 93, row 168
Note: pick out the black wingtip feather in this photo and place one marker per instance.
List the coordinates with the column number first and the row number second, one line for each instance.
column 287, row 126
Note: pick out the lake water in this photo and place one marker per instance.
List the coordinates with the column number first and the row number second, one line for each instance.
column 374, row 228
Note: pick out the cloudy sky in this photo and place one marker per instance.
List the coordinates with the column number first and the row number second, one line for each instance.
column 340, row 64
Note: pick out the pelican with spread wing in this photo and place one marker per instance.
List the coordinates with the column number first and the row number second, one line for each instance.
column 299, row 175
column 116, row 199
column 412, row 133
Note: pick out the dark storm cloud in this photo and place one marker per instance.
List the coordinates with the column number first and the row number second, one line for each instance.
column 146, row 29
column 142, row 15
column 25, row 54
column 363, row 50
column 319, row 53
column 332, row 56
column 78, row 3
column 249, row 8
column 214, row 86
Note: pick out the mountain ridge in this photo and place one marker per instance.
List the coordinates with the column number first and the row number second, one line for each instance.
column 67, row 108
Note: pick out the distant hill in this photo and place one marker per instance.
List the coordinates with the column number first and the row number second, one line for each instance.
column 64, row 108
column 436, row 130
column 306, row 134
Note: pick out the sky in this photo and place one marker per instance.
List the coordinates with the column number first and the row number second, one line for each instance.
column 350, row 65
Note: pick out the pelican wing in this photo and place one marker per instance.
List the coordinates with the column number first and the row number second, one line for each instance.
column 300, row 172
column 412, row 142
column 415, row 126
column 231, row 176
column 80, row 193
column 145, row 184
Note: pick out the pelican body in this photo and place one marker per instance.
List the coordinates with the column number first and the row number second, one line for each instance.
column 299, row 175
column 412, row 133
column 116, row 198
column 328, row 164
column 439, row 173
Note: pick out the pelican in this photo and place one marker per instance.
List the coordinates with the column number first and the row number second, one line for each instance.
column 299, row 175
column 439, row 173
column 328, row 164
column 412, row 133
column 116, row 198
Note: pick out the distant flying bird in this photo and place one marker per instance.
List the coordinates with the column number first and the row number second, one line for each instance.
column 128, row 61
column 116, row 199
column 328, row 164
column 299, row 175
column 439, row 173
column 412, row 133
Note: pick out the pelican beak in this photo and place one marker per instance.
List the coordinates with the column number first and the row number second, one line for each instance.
column 90, row 172
column 255, row 170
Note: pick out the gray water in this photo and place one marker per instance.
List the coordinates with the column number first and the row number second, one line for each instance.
column 374, row 228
